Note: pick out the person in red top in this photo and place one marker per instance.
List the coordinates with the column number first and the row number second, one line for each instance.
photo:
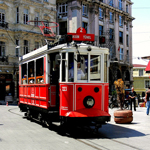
column 147, row 98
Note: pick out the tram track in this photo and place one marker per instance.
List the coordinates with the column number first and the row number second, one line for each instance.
column 100, row 147
column 10, row 110
column 89, row 142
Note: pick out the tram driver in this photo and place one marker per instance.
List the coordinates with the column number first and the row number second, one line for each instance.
column 80, row 73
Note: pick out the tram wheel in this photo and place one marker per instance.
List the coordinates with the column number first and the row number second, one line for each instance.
column 40, row 117
column 28, row 114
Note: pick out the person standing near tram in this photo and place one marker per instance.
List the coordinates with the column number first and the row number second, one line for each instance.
column 132, row 96
column 147, row 99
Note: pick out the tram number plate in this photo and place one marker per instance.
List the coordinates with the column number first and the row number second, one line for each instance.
column 64, row 88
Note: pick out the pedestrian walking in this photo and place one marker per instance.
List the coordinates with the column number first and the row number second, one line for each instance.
column 147, row 99
column 132, row 96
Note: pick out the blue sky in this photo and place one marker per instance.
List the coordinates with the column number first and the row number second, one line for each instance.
column 141, row 28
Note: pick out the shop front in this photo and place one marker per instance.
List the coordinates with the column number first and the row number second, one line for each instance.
column 6, row 87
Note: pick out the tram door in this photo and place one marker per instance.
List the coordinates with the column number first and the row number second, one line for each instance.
column 54, row 80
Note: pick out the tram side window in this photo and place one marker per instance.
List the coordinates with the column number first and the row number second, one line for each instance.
column 71, row 67
column 24, row 74
column 105, row 68
column 31, row 75
column 40, row 71
column 95, row 67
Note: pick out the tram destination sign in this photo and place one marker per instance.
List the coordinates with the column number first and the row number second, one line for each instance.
column 81, row 35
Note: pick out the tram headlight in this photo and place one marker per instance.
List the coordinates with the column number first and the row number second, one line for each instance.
column 89, row 102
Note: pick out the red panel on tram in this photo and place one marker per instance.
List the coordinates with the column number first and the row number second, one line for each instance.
column 106, row 97
column 88, row 90
column 67, row 98
column 53, row 96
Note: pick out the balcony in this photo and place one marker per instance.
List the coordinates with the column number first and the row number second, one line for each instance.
column 3, row 25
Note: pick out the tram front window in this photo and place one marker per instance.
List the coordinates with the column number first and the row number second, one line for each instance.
column 71, row 67
column 95, row 67
column 82, row 67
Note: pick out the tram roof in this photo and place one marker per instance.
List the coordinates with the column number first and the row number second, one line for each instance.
column 82, row 47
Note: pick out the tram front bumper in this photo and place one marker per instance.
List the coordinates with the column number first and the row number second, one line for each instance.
column 92, row 112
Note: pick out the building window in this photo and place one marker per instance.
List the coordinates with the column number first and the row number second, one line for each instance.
column 111, row 34
column 127, row 40
column 2, row 48
column 100, row 30
column 140, row 72
column 63, row 28
column 26, row 47
column 120, row 21
column 111, row 17
column 127, row 25
column 127, row 56
column 45, row 0
column 121, row 53
column 63, row 9
column 17, row 15
column 100, row 13
column 25, row 16
column 110, row 2
column 111, row 52
column 36, row 19
column 120, row 37
column 147, row 83
column 84, row 10
column 2, row 16
column 85, row 25
column 120, row 4
column 37, row 45
column 127, row 8
column 46, row 31
column 17, row 49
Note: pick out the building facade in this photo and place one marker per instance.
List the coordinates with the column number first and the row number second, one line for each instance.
column 111, row 22
column 18, row 37
column 141, row 79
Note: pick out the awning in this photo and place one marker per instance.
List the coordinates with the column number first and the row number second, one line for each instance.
column 148, row 67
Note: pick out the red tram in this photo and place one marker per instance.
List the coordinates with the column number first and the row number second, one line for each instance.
column 66, row 83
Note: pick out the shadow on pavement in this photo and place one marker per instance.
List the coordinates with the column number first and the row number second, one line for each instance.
column 115, row 131
column 106, row 131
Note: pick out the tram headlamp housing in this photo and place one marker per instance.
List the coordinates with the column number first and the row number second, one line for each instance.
column 88, row 102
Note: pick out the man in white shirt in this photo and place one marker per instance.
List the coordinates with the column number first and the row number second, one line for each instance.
column 80, row 74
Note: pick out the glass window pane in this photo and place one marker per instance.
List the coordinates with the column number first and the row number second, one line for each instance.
column 82, row 67
column 95, row 67
column 105, row 68
column 71, row 67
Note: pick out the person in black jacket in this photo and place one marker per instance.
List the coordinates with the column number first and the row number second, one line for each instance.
column 147, row 98
column 132, row 96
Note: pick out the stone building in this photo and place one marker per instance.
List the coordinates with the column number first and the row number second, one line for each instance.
column 111, row 22
column 18, row 37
